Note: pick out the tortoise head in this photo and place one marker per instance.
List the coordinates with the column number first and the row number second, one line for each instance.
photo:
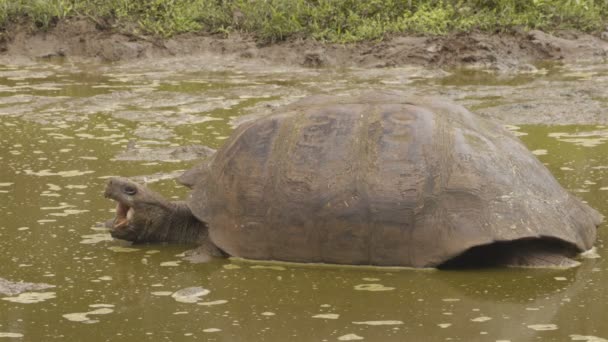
column 142, row 215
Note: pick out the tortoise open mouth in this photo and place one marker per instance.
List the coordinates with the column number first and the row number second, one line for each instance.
column 124, row 214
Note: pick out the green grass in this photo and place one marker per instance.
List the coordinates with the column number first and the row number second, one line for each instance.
column 339, row 21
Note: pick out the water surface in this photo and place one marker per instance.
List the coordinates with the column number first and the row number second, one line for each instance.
column 63, row 128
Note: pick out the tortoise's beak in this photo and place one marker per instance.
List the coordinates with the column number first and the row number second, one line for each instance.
column 123, row 214
column 124, row 211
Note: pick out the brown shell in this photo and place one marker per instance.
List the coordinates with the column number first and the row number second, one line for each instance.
column 380, row 179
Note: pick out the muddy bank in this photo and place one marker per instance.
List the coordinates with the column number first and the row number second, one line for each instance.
column 502, row 51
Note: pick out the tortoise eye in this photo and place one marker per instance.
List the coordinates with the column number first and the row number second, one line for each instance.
column 129, row 190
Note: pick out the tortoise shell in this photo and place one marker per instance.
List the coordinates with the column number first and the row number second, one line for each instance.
column 380, row 179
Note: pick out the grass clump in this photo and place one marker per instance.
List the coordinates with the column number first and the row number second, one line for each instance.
column 327, row 20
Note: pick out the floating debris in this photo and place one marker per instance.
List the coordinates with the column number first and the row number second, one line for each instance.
column 515, row 130
column 350, row 337
column 10, row 288
column 47, row 173
column 379, row 323
column 584, row 139
column 83, row 317
column 95, row 238
column 10, row 335
column 54, row 187
column 373, row 287
column 68, row 212
column 543, row 327
column 31, row 297
column 327, row 316
column 215, row 302
column 231, row 267
column 276, row 268
column 190, row 294
column 481, row 319
column 170, row 263
column 120, row 249
column 587, row 338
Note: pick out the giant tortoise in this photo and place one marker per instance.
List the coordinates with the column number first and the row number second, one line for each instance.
column 374, row 179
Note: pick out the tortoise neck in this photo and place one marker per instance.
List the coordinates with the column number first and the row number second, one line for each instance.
column 182, row 227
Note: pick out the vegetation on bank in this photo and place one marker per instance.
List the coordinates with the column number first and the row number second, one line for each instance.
column 327, row 20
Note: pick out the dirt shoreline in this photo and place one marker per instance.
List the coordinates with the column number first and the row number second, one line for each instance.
column 514, row 51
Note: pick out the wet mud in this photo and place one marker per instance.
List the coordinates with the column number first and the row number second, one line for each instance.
column 505, row 52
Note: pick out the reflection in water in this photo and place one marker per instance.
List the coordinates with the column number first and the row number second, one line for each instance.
column 62, row 127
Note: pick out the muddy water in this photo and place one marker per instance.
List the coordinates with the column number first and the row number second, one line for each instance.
column 65, row 128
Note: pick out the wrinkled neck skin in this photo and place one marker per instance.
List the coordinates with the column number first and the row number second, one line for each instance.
column 174, row 224
column 163, row 221
column 143, row 216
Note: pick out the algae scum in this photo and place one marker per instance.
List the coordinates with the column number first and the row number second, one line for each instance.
column 65, row 128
